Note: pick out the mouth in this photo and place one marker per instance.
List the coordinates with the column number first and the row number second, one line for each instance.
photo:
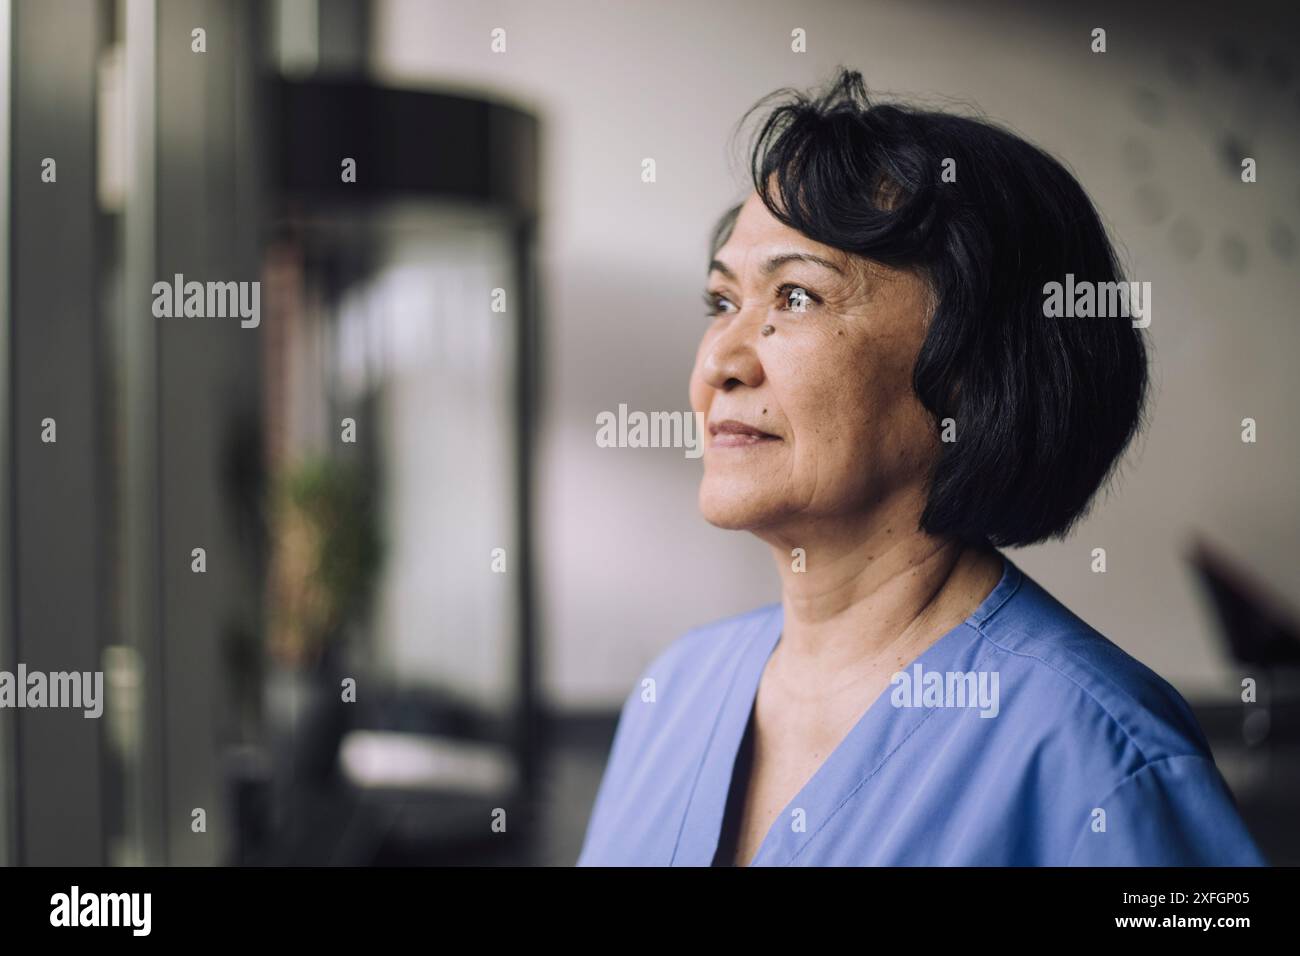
column 734, row 434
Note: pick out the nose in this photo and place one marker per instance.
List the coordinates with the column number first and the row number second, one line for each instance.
column 732, row 359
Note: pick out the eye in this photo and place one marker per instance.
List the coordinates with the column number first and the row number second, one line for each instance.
column 718, row 304
column 796, row 297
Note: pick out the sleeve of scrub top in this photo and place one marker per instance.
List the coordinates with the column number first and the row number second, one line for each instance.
column 1175, row 811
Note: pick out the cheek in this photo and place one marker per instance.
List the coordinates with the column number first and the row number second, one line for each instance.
column 850, row 402
column 826, row 381
column 700, row 392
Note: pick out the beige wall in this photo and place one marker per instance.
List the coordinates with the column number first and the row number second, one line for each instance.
column 626, row 564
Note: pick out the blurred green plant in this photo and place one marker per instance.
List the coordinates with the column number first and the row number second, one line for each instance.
column 325, row 556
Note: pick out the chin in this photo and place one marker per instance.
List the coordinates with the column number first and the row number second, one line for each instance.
column 734, row 506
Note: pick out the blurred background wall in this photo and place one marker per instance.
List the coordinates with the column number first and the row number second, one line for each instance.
column 496, row 277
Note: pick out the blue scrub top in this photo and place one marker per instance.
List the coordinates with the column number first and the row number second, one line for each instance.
column 1087, row 758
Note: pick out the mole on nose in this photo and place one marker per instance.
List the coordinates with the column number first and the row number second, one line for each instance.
column 768, row 329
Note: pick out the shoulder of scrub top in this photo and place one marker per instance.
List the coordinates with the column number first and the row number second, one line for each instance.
column 1056, row 658
column 707, row 653
column 683, row 682
column 1068, row 681
column 696, row 666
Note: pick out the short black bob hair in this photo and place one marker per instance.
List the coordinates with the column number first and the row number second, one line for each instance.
column 1043, row 407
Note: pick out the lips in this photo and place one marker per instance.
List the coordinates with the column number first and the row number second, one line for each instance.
column 734, row 434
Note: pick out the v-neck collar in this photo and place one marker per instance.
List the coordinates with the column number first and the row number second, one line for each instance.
column 868, row 745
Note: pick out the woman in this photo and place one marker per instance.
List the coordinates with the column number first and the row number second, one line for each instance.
column 888, row 403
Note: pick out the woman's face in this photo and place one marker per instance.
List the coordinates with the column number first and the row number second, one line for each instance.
column 818, row 418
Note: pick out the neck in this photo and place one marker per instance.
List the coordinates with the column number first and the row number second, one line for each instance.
column 874, row 593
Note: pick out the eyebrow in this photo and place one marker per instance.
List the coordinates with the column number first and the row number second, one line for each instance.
column 777, row 262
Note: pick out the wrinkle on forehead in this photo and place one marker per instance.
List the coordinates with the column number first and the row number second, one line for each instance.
column 863, row 280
